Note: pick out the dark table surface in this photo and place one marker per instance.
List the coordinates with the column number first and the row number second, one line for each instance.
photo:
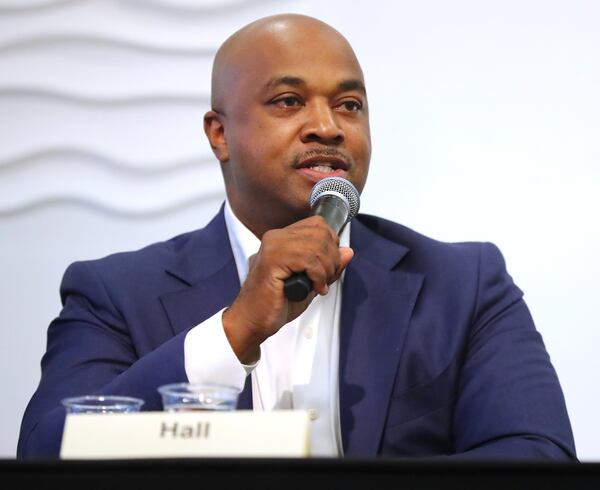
column 305, row 474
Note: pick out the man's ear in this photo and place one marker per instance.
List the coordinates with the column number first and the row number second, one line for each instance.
column 215, row 132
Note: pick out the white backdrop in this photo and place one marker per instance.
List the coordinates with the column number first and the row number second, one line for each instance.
column 485, row 122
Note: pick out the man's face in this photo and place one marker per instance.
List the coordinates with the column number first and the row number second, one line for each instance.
column 295, row 111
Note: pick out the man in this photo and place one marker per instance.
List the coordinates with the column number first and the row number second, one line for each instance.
column 406, row 346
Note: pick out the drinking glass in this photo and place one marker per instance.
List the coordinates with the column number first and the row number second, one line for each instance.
column 102, row 404
column 186, row 397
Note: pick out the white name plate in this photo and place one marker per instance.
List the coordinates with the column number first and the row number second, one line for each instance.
column 238, row 433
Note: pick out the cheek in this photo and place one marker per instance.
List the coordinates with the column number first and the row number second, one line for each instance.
column 359, row 144
column 245, row 146
column 269, row 150
column 257, row 158
column 257, row 136
column 359, row 140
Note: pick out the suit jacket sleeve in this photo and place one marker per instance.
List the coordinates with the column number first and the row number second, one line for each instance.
column 90, row 350
column 509, row 403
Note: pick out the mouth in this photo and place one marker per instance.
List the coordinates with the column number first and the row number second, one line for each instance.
column 320, row 166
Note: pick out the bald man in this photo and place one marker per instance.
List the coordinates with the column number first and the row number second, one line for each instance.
column 406, row 346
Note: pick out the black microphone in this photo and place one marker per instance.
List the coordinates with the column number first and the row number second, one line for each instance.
column 337, row 201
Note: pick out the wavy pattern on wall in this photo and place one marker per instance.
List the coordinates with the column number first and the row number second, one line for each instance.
column 191, row 7
column 181, row 7
column 107, row 209
column 62, row 173
column 85, row 156
column 43, row 41
column 27, row 7
column 17, row 92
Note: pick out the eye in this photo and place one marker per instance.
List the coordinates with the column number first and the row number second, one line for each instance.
column 351, row 105
column 287, row 101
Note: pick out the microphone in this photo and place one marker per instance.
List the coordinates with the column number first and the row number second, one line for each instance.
column 337, row 201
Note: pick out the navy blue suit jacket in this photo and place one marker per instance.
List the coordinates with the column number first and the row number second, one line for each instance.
column 438, row 352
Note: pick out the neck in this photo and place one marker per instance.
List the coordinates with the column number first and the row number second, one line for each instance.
column 259, row 221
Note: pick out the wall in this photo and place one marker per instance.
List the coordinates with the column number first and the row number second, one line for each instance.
column 485, row 127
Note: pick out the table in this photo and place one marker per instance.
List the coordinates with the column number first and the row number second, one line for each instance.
column 305, row 474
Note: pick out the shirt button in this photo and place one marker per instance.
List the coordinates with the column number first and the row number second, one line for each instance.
column 313, row 414
column 308, row 332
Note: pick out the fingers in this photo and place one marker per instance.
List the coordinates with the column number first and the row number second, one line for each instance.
column 261, row 308
column 311, row 247
column 327, row 275
column 319, row 254
column 346, row 255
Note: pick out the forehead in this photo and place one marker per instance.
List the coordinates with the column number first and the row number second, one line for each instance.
column 319, row 57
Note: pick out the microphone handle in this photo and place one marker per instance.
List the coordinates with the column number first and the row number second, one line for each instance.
column 297, row 287
column 335, row 213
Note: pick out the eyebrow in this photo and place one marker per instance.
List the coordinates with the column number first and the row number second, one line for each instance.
column 344, row 85
column 285, row 80
column 354, row 84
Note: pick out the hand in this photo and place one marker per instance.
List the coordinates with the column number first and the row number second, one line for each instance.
column 261, row 308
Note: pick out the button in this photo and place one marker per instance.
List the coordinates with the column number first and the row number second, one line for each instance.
column 308, row 332
column 313, row 414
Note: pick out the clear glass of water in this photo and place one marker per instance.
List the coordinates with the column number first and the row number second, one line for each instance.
column 102, row 404
column 186, row 397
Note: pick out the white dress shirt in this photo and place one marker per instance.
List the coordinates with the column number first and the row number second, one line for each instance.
column 298, row 366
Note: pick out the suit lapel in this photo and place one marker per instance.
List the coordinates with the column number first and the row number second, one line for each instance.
column 206, row 268
column 378, row 299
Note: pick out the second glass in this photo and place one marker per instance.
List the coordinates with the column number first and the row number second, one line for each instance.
column 186, row 397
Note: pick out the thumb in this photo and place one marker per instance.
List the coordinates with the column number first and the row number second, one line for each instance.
column 346, row 254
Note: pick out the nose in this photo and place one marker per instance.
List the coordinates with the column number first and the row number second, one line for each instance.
column 321, row 125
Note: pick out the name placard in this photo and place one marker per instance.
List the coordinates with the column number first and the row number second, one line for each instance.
column 241, row 433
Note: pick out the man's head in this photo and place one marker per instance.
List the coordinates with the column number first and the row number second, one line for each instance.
column 289, row 107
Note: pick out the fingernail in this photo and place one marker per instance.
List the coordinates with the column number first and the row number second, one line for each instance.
column 325, row 290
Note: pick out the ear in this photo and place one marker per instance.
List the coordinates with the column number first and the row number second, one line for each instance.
column 215, row 132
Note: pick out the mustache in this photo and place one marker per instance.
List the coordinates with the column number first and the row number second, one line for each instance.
column 322, row 152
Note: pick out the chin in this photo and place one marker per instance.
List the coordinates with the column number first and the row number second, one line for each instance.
column 293, row 212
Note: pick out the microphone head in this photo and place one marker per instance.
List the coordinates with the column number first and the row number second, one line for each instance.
column 340, row 187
